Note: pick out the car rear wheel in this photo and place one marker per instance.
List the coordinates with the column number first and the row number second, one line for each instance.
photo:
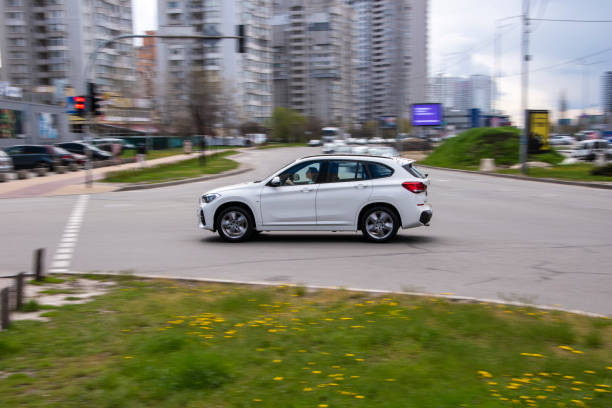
column 379, row 224
column 235, row 224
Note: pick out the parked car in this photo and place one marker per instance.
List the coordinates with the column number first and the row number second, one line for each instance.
column 314, row 142
column 6, row 163
column 561, row 140
column 33, row 156
column 106, row 144
column 374, row 195
column 77, row 158
column 81, row 148
column 589, row 149
column 385, row 151
column 376, row 140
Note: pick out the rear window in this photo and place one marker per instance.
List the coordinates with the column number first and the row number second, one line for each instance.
column 378, row 170
column 414, row 171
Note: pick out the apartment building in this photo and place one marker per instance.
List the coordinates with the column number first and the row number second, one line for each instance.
column 245, row 78
column 49, row 42
column 606, row 92
column 391, row 56
column 313, row 56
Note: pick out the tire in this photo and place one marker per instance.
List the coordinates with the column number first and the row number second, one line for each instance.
column 235, row 224
column 43, row 165
column 379, row 224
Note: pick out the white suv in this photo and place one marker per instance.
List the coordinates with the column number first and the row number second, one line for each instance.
column 376, row 195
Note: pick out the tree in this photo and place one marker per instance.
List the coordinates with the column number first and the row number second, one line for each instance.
column 204, row 101
column 252, row 127
column 288, row 125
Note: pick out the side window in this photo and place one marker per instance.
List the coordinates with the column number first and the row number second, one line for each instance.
column 15, row 150
column 345, row 170
column 302, row 173
column 34, row 150
column 378, row 170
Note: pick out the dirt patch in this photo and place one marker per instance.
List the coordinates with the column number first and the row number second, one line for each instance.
column 70, row 292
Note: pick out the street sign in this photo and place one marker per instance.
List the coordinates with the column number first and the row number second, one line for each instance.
column 539, row 126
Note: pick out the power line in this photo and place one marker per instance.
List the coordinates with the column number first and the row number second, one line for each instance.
column 570, row 20
column 560, row 64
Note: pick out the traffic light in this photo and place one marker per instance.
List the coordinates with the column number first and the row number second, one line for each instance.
column 95, row 106
column 80, row 106
column 241, row 33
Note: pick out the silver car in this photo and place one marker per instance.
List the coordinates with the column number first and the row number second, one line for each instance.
column 6, row 163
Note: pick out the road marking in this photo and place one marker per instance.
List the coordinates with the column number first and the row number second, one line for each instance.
column 65, row 249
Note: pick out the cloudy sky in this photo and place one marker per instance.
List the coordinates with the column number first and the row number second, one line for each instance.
column 461, row 44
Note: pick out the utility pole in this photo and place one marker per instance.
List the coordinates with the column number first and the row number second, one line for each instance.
column 523, row 146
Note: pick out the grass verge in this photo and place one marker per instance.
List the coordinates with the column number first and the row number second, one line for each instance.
column 215, row 164
column 277, row 145
column 168, row 344
column 158, row 154
column 576, row 172
column 466, row 149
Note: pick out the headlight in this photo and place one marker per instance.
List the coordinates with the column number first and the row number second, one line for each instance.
column 207, row 198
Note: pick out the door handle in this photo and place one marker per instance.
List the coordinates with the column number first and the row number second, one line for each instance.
column 306, row 190
column 360, row 186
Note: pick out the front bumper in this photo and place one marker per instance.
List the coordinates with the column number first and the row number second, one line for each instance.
column 205, row 218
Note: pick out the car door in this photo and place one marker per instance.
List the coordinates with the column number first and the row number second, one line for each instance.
column 292, row 203
column 18, row 156
column 346, row 189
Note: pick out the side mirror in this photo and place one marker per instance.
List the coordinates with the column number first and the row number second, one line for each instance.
column 275, row 182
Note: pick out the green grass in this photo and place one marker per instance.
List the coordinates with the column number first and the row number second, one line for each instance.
column 277, row 145
column 579, row 171
column 215, row 164
column 167, row 344
column 158, row 154
column 466, row 149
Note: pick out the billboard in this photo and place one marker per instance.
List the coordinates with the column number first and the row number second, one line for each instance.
column 387, row 122
column 11, row 124
column 426, row 114
column 47, row 125
column 539, row 126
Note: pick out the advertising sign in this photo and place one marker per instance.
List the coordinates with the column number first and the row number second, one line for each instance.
column 475, row 118
column 47, row 125
column 11, row 124
column 426, row 114
column 388, row 122
column 539, row 126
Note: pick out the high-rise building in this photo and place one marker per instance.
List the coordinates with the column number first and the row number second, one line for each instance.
column 49, row 42
column 391, row 56
column 146, row 63
column 313, row 58
column 244, row 77
column 462, row 93
column 606, row 92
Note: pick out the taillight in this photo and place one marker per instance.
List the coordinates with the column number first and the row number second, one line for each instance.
column 415, row 186
column 65, row 156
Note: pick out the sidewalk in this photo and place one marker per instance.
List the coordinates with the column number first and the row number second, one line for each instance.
column 74, row 183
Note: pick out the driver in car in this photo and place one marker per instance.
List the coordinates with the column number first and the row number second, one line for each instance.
column 312, row 174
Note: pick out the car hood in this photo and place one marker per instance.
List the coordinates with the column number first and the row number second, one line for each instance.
column 225, row 189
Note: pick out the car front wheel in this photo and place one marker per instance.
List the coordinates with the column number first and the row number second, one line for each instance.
column 379, row 224
column 235, row 224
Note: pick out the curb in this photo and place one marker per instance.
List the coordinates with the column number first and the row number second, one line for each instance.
column 134, row 187
column 374, row 291
column 526, row 178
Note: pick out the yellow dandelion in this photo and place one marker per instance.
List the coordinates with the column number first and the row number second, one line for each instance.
column 323, row 405
column 349, row 355
column 485, row 374
column 593, row 372
column 128, row 357
column 278, row 378
column 256, row 400
column 307, row 389
column 359, row 359
column 359, row 396
column 390, row 379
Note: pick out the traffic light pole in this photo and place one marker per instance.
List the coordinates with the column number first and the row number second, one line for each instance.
column 524, row 142
column 90, row 77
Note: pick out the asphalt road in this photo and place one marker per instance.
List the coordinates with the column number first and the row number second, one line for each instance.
column 490, row 238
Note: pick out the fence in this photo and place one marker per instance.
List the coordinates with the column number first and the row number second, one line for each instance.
column 12, row 295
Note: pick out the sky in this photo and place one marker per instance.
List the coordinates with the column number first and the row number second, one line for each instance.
column 461, row 34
